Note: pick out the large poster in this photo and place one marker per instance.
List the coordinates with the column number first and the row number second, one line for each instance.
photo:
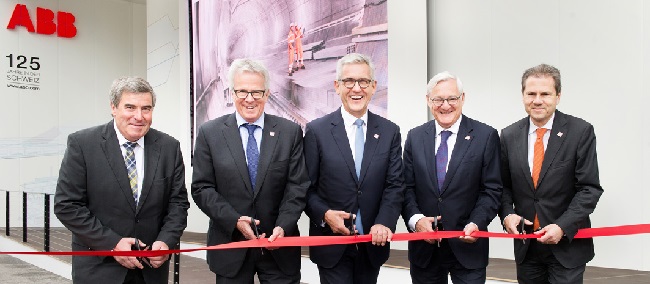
column 298, row 40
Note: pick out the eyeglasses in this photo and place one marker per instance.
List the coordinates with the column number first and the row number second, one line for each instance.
column 349, row 83
column 243, row 94
column 440, row 101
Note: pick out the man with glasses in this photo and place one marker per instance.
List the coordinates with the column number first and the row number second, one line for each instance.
column 550, row 183
column 353, row 157
column 452, row 182
column 250, row 179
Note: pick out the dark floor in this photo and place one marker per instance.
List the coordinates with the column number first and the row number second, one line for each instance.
column 193, row 270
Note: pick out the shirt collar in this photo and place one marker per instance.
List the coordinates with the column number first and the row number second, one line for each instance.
column 122, row 140
column 259, row 122
column 532, row 127
column 349, row 119
column 454, row 127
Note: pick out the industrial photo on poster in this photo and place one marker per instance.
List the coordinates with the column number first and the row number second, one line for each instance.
column 299, row 41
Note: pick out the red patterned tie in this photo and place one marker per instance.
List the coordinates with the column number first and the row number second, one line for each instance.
column 538, row 159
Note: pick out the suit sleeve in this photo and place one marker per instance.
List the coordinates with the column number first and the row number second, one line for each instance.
column 489, row 199
column 393, row 196
column 507, row 202
column 410, row 207
column 587, row 185
column 316, row 206
column 204, row 187
column 295, row 191
column 71, row 202
column 175, row 220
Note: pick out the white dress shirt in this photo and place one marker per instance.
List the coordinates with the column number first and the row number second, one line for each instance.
column 351, row 129
column 532, row 136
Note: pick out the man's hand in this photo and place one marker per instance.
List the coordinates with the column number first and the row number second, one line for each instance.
column 551, row 234
column 157, row 261
column 130, row 262
column 334, row 219
column 511, row 223
column 380, row 234
column 278, row 232
column 426, row 225
column 244, row 226
column 468, row 230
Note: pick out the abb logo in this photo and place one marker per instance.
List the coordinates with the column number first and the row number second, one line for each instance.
column 44, row 21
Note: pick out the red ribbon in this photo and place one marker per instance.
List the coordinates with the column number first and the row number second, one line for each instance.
column 344, row 240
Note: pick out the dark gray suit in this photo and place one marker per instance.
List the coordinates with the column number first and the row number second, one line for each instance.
column 221, row 187
column 568, row 187
column 94, row 201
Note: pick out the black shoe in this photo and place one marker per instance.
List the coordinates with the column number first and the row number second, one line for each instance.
column 302, row 67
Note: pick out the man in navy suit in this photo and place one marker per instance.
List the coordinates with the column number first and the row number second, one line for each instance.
column 550, row 182
column 452, row 179
column 354, row 163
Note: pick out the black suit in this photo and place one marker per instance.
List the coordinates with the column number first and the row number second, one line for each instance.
column 471, row 191
column 334, row 183
column 221, row 187
column 568, row 187
column 94, row 201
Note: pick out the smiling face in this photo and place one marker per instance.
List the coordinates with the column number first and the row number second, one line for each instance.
column 540, row 99
column 250, row 109
column 446, row 115
column 133, row 115
column 355, row 100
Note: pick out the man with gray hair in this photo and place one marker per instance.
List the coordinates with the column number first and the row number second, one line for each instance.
column 453, row 182
column 250, row 179
column 354, row 160
column 121, row 187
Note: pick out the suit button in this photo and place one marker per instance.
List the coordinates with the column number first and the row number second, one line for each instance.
column 439, row 199
column 536, row 200
column 359, row 192
column 137, row 220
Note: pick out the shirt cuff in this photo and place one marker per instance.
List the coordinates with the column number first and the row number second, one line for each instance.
column 413, row 220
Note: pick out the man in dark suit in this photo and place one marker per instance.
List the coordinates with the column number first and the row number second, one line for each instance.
column 353, row 176
column 452, row 179
column 243, row 189
column 122, row 185
column 550, row 178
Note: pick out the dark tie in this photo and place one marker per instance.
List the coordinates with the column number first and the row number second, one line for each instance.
column 358, row 157
column 129, row 160
column 252, row 154
column 538, row 159
column 441, row 158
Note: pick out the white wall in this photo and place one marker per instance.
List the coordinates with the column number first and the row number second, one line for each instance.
column 602, row 49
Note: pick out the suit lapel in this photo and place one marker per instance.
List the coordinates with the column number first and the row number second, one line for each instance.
column 341, row 138
column 521, row 151
column 115, row 159
column 555, row 141
column 429, row 154
column 267, row 148
column 234, row 144
column 463, row 140
column 372, row 139
column 151, row 158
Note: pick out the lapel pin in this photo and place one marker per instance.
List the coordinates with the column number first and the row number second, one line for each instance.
column 272, row 133
column 559, row 134
column 467, row 137
column 376, row 136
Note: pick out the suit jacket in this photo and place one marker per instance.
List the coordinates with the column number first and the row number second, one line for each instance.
column 568, row 186
column 471, row 191
column 334, row 183
column 93, row 200
column 221, row 187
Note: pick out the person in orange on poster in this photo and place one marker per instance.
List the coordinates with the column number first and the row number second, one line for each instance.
column 298, row 34
column 291, row 38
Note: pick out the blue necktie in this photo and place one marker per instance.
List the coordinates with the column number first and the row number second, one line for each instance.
column 131, row 170
column 441, row 158
column 252, row 154
column 358, row 155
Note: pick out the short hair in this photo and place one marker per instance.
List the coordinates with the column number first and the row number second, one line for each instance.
column 132, row 85
column 444, row 76
column 241, row 65
column 542, row 70
column 354, row 58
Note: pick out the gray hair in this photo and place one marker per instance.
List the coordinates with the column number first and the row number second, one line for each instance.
column 444, row 76
column 130, row 85
column 354, row 58
column 543, row 70
column 241, row 65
